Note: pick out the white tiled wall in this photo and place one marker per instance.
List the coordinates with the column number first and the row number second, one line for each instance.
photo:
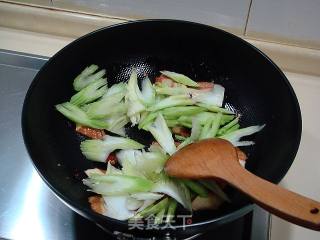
column 293, row 21
column 228, row 14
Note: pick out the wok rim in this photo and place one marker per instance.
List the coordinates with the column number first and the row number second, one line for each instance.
column 88, row 213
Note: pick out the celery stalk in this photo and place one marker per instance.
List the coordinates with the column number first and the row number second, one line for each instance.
column 178, row 100
column 76, row 115
column 180, row 78
column 99, row 150
column 172, row 206
column 195, row 187
column 90, row 93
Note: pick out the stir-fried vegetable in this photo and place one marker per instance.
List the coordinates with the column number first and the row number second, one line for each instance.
column 176, row 111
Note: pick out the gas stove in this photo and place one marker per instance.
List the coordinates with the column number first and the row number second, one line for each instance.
column 28, row 209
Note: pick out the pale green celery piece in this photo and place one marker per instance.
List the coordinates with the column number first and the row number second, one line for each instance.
column 172, row 206
column 234, row 137
column 117, row 123
column 148, row 119
column 174, row 189
column 172, row 122
column 160, row 215
column 214, row 108
column 215, row 125
column 181, row 111
column 91, row 171
column 195, row 134
column 178, row 100
column 146, row 164
column 77, row 115
column 180, row 78
column 233, row 128
column 226, row 118
column 147, row 196
column 99, row 150
column 214, row 97
column 179, row 137
column 162, row 134
column 117, row 207
column 153, row 209
column 115, row 185
column 204, row 116
column 133, row 98
column 148, row 92
column 165, row 90
column 205, row 131
column 215, row 188
column 195, row 187
column 116, row 88
column 195, row 130
column 90, row 93
column 107, row 106
column 81, row 80
column 185, row 124
column 225, row 128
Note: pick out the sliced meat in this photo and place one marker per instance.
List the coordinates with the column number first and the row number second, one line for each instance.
column 112, row 158
column 182, row 131
column 97, row 204
column 205, row 85
column 91, row 132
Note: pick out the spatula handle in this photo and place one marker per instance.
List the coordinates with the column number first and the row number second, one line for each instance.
column 281, row 202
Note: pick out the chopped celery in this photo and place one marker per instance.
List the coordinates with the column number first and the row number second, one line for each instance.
column 147, row 196
column 174, row 189
column 165, row 90
column 148, row 119
column 133, row 204
column 234, row 137
column 116, row 88
column 181, row 111
column 117, row 123
column 172, row 206
column 107, row 106
column 148, row 92
column 151, row 210
column 214, row 97
column 90, row 93
column 99, row 150
column 233, row 128
column 205, row 130
column 225, row 128
column 133, row 98
column 115, row 185
column 162, row 134
column 195, row 187
column 178, row 100
column 87, row 76
column 160, row 215
column 215, row 188
column 214, row 108
column 172, row 123
column 180, row 78
column 77, row 115
column 116, row 207
column 91, row 171
column 195, row 134
column 215, row 125
column 111, row 170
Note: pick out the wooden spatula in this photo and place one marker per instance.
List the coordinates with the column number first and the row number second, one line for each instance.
column 217, row 158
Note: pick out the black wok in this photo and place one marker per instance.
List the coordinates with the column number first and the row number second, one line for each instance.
column 255, row 87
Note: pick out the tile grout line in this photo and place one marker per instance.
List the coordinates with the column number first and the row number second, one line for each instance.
column 247, row 19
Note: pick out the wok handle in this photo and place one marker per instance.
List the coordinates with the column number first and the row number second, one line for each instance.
column 279, row 201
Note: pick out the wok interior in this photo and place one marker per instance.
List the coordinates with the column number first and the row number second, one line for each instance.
column 254, row 87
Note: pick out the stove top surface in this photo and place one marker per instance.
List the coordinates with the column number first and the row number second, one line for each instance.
column 28, row 209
